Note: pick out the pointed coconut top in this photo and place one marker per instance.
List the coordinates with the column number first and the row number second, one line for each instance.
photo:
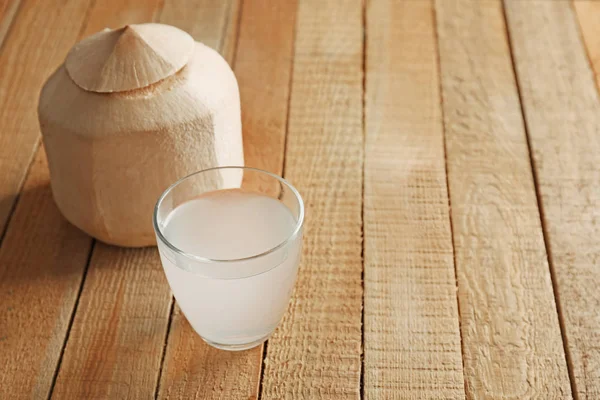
column 128, row 58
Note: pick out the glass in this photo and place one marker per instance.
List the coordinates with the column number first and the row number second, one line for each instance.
column 230, row 240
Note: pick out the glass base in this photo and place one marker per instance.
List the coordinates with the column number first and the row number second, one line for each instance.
column 237, row 347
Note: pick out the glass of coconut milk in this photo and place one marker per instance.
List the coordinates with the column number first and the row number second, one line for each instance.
column 229, row 240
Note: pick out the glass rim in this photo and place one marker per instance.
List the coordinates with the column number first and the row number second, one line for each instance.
column 288, row 239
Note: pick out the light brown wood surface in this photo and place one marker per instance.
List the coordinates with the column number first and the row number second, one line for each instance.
column 412, row 336
column 214, row 23
column 26, row 60
column 192, row 369
column 42, row 260
column 510, row 329
column 115, row 346
column 8, row 9
column 316, row 350
column 115, row 14
column 263, row 66
column 562, row 110
column 588, row 16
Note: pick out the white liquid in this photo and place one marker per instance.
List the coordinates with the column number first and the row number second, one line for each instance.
column 233, row 303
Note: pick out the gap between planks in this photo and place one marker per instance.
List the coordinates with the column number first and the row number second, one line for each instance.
column 561, row 320
column 587, row 13
column 365, row 6
column 285, row 148
column 8, row 11
column 71, row 319
column 164, row 349
column 13, row 207
column 439, row 72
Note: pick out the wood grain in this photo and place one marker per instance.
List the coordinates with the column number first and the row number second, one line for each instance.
column 228, row 45
column 588, row 15
column 316, row 350
column 115, row 14
column 26, row 60
column 42, row 259
column 214, row 23
column 192, row 369
column 263, row 66
column 411, row 331
column 8, row 9
column 562, row 110
column 114, row 348
column 510, row 329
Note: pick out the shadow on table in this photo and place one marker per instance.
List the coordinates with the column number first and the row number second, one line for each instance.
column 38, row 242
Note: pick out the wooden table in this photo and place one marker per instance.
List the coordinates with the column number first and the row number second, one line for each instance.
column 449, row 155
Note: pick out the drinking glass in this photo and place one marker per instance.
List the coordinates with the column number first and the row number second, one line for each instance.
column 236, row 300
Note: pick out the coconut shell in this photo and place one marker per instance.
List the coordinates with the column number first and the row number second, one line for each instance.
column 118, row 136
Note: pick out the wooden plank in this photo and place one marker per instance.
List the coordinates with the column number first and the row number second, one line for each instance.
column 8, row 9
column 263, row 67
column 512, row 346
column 588, row 15
column 214, row 23
column 26, row 60
column 411, row 330
column 228, row 45
column 115, row 14
column 316, row 351
column 562, row 110
column 192, row 369
column 42, row 259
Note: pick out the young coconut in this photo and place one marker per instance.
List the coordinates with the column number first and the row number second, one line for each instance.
column 129, row 112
